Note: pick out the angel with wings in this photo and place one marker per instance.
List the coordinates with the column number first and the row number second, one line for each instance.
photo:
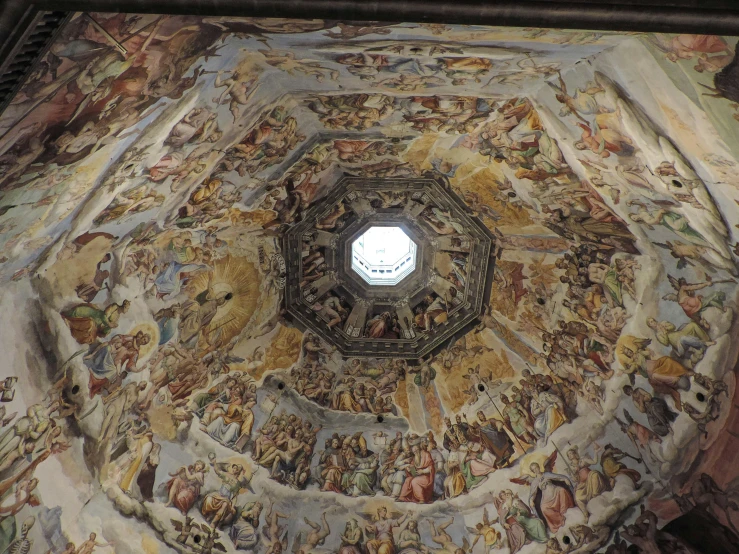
column 190, row 528
column 694, row 304
column 487, row 532
column 211, row 542
column 550, row 494
column 274, row 274
column 219, row 507
column 641, row 437
column 504, row 193
column 183, row 528
column 380, row 526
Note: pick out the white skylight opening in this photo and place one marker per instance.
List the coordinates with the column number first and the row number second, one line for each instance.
column 384, row 255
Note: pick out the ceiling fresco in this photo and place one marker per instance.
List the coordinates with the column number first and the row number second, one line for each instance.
column 178, row 199
column 442, row 291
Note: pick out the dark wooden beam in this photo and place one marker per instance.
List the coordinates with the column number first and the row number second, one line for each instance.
column 689, row 16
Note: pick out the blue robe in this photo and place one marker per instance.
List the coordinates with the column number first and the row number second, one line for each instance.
column 168, row 281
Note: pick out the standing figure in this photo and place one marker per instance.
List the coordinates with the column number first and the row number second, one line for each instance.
column 641, row 437
column 382, row 529
column 658, row 413
column 548, row 412
column 147, row 475
column 88, row 546
column 518, row 420
column 198, row 313
column 139, row 446
column 492, row 436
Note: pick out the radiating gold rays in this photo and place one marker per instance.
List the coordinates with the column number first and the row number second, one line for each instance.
column 238, row 276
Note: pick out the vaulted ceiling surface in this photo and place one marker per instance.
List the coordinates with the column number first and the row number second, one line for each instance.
column 156, row 167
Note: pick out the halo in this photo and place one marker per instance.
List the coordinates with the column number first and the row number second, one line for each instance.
column 534, row 457
column 237, row 276
column 371, row 506
column 153, row 332
column 221, row 289
column 243, row 462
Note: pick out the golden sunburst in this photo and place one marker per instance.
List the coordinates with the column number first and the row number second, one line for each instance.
column 235, row 275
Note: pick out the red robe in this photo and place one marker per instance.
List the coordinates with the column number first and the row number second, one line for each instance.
column 419, row 488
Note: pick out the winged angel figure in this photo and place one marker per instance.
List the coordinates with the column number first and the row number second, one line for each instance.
column 550, row 494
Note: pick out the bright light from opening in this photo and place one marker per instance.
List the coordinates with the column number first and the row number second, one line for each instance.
column 384, row 255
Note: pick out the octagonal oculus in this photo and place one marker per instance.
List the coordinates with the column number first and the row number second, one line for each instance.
column 383, row 255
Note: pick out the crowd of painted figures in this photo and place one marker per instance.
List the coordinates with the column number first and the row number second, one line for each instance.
column 334, row 306
column 412, row 468
column 26, row 442
column 579, row 353
column 364, row 388
column 406, row 467
column 468, row 453
column 179, row 365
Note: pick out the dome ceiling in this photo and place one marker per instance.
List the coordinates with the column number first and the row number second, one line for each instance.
column 440, row 293
column 192, row 364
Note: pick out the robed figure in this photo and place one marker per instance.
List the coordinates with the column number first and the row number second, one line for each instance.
column 551, row 494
